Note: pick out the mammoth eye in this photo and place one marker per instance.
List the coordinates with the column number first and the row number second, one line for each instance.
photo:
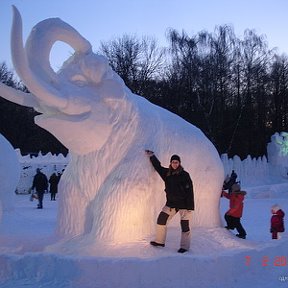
column 79, row 80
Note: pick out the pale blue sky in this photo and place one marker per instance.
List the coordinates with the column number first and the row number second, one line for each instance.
column 104, row 20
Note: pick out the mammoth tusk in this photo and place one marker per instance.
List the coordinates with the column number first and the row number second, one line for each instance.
column 35, row 84
column 17, row 96
column 41, row 40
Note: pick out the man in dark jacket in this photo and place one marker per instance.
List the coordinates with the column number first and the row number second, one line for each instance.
column 53, row 181
column 179, row 197
column 40, row 184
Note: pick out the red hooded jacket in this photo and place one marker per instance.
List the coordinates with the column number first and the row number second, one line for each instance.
column 236, row 203
column 277, row 223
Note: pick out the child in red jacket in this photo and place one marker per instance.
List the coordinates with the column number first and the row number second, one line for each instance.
column 234, row 214
column 277, row 222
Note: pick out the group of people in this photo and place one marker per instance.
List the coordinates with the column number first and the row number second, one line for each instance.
column 180, row 198
column 40, row 185
column 234, row 214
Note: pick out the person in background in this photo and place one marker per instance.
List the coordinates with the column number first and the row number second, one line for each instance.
column 53, row 181
column 277, row 222
column 40, row 184
column 180, row 198
column 234, row 214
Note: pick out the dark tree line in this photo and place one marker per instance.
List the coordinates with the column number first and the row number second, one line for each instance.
column 235, row 90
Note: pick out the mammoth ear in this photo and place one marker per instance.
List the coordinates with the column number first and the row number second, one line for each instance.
column 96, row 68
column 110, row 90
column 115, row 96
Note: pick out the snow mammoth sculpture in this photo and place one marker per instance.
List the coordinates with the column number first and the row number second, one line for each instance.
column 109, row 191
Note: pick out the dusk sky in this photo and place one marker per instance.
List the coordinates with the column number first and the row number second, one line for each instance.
column 106, row 20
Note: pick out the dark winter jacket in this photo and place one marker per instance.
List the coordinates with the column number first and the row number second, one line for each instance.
column 229, row 182
column 178, row 186
column 40, row 182
column 277, row 223
column 53, row 180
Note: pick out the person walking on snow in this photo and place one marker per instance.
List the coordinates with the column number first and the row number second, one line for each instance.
column 40, row 184
column 53, row 181
column 180, row 198
column 277, row 222
column 234, row 214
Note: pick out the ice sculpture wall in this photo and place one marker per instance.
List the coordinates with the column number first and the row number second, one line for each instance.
column 9, row 175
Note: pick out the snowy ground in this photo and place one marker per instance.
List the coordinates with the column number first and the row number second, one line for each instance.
column 216, row 259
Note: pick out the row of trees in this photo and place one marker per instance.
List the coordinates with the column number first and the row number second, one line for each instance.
column 234, row 90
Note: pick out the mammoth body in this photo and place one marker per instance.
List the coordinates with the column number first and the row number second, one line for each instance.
column 124, row 193
column 109, row 191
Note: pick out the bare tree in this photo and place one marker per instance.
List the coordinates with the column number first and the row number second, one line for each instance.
column 138, row 62
column 279, row 90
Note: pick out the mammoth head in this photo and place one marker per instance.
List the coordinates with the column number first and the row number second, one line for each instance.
column 76, row 103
